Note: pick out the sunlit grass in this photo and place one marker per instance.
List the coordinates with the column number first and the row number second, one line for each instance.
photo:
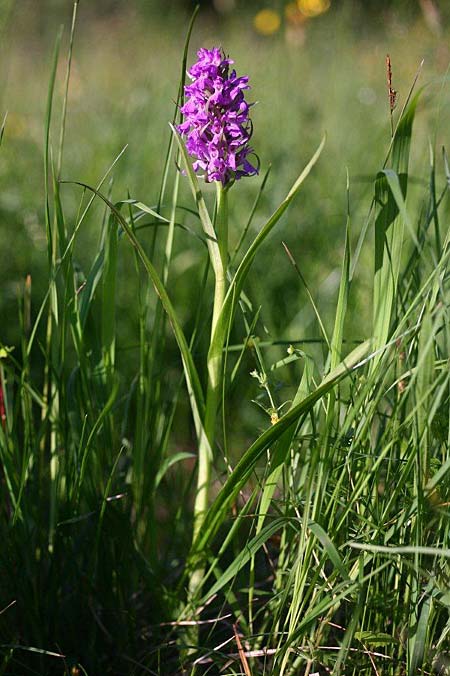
column 121, row 93
column 325, row 547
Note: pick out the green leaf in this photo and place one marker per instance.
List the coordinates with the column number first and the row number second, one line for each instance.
column 283, row 446
column 92, row 280
column 96, row 427
column 247, row 463
column 32, row 649
column 244, row 557
column 48, row 117
column 418, row 642
column 169, row 462
column 330, row 549
column 341, row 308
column 2, row 128
column 389, row 229
column 208, row 228
column 109, row 294
column 375, row 639
column 192, row 378
column 146, row 209
column 237, row 283
column 406, row 549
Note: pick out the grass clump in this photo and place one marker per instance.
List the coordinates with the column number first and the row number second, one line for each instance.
column 324, row 545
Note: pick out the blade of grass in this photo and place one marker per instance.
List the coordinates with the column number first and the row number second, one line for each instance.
column 192, row 379
column 246, row 465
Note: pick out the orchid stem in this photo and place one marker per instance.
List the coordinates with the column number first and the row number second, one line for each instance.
column 206, row 443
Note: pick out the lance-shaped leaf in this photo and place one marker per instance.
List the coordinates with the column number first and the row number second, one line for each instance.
column 191, row 375
column 237, row 283
column 249, row 460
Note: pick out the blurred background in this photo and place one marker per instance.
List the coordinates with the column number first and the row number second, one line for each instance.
column 315, row 66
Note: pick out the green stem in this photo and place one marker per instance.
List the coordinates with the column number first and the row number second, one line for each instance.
column 205, row 451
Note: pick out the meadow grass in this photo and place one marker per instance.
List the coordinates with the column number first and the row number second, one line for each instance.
column 121, row 94
column 325, row 545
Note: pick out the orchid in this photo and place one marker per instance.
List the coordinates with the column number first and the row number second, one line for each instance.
column 216, row 126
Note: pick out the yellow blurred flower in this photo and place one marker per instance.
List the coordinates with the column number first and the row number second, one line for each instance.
column 267, row 22
column 293, row 15
column 311, row 8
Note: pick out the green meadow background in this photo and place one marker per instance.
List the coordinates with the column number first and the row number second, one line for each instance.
column 124, row 81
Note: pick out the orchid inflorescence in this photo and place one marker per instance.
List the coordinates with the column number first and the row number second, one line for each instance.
column 217, row 127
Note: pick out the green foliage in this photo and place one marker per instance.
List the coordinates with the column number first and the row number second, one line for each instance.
column 325, row 544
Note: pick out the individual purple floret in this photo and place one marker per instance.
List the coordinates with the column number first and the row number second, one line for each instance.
column 216, row 125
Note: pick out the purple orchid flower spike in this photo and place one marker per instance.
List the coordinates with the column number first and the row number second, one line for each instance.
column 216, row 125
